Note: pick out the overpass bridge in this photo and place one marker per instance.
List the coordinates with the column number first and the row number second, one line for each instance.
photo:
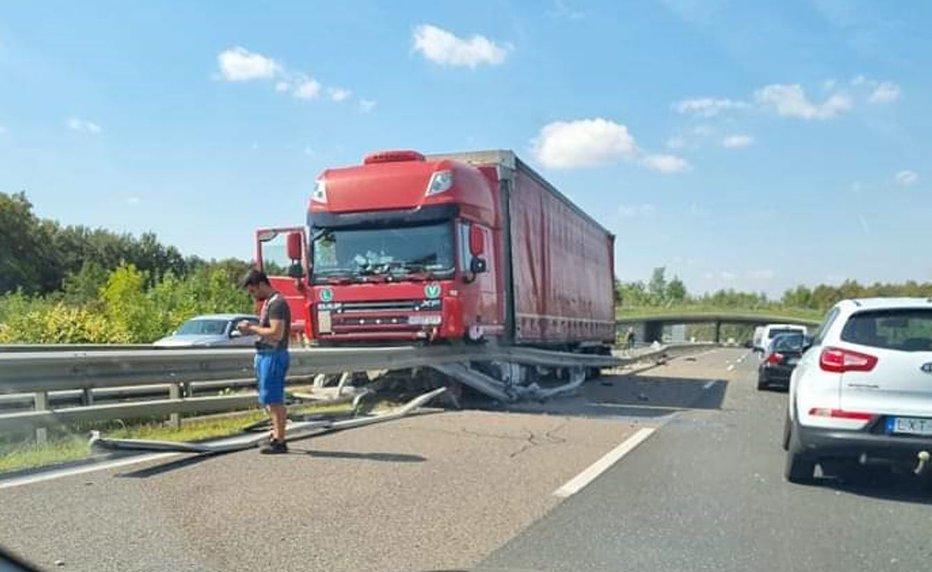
column 653, row 323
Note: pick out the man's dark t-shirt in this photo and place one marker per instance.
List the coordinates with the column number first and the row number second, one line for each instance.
column 275, row 308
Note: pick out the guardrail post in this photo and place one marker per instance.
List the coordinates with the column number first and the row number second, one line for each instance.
column 87, row 396
column 174, row 392
column 42, row 404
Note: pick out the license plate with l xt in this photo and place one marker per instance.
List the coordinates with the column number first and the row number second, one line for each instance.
column 909, row 425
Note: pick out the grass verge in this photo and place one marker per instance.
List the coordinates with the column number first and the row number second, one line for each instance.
column 65, row 448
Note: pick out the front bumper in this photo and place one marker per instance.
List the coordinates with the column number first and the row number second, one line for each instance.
column 876, row 446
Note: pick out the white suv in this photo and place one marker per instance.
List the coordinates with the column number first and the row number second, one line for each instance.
column 863, row 390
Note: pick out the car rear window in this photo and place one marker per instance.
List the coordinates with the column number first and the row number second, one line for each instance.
column 788, row 342
column 779, row 332
column 908, row 330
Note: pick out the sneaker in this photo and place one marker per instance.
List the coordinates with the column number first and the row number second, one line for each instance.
column 274, row 448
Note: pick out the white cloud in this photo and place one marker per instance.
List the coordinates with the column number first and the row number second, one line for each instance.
column 727, row 276
column 635, row 211
column 736, row 141
column 308, row 151
column 829, row 84
column 885, row 92
column 366, row 105
column 306, row 88
column 445, row 48
column 789, row 100
column 906, row 178
column 83, row 126
column 339, row 94
column 858, row 80
column 239, row 64
column 665, row 163
column 582, row 143
column 676, row 142
column 134, row 200
column 707, row 106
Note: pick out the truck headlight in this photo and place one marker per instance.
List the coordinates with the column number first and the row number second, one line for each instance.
column 440, row 182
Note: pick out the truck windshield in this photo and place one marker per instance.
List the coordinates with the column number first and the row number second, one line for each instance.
column 424, row 250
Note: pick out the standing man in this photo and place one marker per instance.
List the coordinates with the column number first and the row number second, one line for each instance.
column 272, row 357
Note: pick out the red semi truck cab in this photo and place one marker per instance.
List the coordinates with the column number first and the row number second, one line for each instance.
column 407, row 248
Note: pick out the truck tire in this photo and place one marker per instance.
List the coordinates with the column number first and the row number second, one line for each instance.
column 800, row 464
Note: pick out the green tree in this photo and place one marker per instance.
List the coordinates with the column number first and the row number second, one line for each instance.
column 633, row 294
column 657, row 287
column 676, row 291
column 26, row 260
column 83, row 288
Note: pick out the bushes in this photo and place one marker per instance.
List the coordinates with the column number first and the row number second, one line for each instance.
column 59, row 324
column 125, row 309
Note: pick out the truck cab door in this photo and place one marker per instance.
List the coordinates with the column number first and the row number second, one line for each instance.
column 477, row 267
column 282, row 254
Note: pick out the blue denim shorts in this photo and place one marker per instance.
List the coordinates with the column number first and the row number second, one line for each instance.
column 271, row 367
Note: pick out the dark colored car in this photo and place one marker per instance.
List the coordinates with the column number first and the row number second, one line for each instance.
column 780, row 357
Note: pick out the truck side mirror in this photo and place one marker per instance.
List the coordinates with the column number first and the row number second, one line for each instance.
column 293, row 245
column 476, row 240
column 295, row 270
column 478, row 265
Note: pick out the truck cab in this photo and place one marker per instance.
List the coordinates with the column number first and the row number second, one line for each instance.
column 400, row 248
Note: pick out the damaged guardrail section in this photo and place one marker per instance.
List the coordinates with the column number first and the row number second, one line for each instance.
column 40, row 373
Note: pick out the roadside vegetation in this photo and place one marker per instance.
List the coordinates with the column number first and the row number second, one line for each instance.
column 660, row 296
column 73, row 284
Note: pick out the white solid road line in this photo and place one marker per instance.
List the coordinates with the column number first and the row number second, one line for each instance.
column 61, row 473
column 709, row 383
column 578, row 482
column 731, row 367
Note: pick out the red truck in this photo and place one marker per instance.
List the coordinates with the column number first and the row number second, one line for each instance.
column 473, row 246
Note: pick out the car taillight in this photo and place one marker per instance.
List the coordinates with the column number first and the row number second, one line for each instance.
column 774, row 358
column 837, row 360
column 840, row 414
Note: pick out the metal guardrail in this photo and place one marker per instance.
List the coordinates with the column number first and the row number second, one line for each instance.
column 53, row 371
column 20, row 348
column 44, row 372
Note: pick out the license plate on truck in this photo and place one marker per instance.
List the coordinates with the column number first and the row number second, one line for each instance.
column 909, row 425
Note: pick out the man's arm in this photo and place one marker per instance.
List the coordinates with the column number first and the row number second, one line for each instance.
column 273, row 332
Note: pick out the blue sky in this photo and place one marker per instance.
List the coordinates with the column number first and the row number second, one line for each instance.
column 754, row 145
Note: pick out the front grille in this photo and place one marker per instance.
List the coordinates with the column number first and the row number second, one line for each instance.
column 377, row 316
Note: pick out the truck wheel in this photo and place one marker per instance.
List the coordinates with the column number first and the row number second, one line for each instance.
column 800, row 465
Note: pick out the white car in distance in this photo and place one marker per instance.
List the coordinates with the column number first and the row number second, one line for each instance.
column 862, row 392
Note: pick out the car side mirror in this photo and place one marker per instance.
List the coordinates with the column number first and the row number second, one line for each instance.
column 478, row 265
